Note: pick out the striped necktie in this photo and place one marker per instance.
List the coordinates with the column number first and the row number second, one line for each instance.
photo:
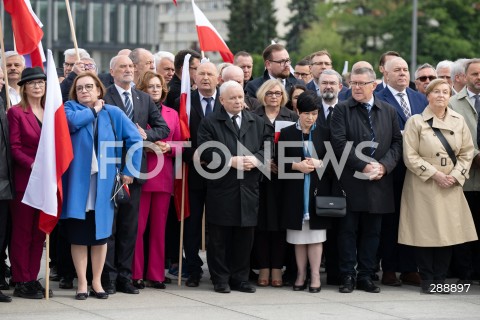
column 403, row 104
column 368, row 107
column 128, row 105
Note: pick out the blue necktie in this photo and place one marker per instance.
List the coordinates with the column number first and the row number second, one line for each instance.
column 372, row 132
column 208, row 109
column 128, row 105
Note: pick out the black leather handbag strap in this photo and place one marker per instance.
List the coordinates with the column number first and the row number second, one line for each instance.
column 444, row 142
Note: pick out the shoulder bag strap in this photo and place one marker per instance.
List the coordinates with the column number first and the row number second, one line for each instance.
column 444, row 142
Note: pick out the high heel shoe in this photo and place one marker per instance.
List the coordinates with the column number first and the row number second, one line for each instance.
column 300, row 288
column 81, row 296
column 98, row 295
column 314, row 289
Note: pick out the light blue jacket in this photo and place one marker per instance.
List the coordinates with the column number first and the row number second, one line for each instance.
column 76, row 180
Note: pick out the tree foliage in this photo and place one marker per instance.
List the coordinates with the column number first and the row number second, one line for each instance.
column 303, row 15
column 252, row 25
column 363, row 30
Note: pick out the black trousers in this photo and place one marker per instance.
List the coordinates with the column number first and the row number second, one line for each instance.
column 192, row 237
column 4, row 234
column 65, row 265
column 269, row 249
column 330, row 250
column 121, row 244
column 228, row 253
column 433, row 263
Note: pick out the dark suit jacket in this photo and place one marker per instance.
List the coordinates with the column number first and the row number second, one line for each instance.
column 24, row 139
column 145, row 112
column 417, row 101
column 174, row 91
column 350, row 123
column 195, row 181
column 253, row 85
column 7, row 192
column 106, row 79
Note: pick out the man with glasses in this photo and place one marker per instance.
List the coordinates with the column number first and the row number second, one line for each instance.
column 330, row 86
column 143, row 61
column 71, row 68
column 372, row 126
column 303, row 71
column 277, row 66
column 319, row 61
column 423, row 76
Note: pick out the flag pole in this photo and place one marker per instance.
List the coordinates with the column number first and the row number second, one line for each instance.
column 47, row 268
column 4, row 65
column 72, row 29
column 182, row 218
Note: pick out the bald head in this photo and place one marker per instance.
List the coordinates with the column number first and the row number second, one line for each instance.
column 233, row 73
column 397, row 74
column 124, row 52
column 362, row 64
column 206, row 79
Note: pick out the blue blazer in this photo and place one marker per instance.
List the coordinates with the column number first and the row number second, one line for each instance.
column 418, row 102
column 76, row 180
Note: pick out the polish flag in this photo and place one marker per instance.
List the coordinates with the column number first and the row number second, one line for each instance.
column 175, row 2
column 279, row 125
column 209, row 38
column 27, row 30
column 54, row 154
column 184, row 115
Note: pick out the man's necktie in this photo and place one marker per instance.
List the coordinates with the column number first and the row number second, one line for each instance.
column 404, row 106
column 477, row 103
column 329, row 116
column 128, row 105
column 372, row 132
column 235, row 124
column 208, row 109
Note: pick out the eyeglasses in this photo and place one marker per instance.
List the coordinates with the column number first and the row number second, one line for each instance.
column 300, row 74
column 445, row 77
column 89, row 66
column 68, row 65
column 360, row 84
column 320, row 63
column 283, row 62
column 329, row 83
column 87, row 87
column 277, row 94
column 154, row 86
column 33, row 84
column 424, row 78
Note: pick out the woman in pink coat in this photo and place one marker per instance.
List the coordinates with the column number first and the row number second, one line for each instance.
column 156, row 192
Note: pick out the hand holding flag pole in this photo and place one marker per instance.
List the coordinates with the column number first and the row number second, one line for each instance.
column 72, row 29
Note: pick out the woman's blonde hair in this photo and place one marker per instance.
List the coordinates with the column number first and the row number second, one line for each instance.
column 268, row 85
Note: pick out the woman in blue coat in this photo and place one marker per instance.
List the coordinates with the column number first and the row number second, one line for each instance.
column 89, row 181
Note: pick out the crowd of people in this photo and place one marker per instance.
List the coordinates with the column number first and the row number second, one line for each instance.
column 403, row 153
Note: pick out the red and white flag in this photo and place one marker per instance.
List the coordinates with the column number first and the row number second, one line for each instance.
column 175, row 2
column 279, row 125
column 27, row 30
column 208, row 37
column 184, row 115
column 54, row 154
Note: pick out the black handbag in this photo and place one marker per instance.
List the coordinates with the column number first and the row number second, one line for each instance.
column 331, row 206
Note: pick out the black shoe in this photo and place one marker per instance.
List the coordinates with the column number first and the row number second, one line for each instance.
column 139, row 284
column 54, row 276
column 167, row 280
column 99, row 295
column 3, row 283
column 348, row 284
column 4, row 298
column 221, row 287
column 193, row 281
column 81, row 296
column 110, row 287
column 314, row 289
column 7, row 270
column 27, row 290
column 243, row 286
column 367, row 285
column 65, row 283
column 43, row 290
column 300, row 288
column 127, row 287
column 158, row 285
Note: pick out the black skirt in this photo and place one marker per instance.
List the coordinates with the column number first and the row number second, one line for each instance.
column 82, row 232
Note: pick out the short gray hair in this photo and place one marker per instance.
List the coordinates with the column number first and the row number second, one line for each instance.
column 444, row 64
column 229, row 84
column 114, row 60
column 331, row 72
column 424, row 66
column 160, row 55
column 458, row 67
column 72, row 53
column 367, row 71
column 12, row 53
column 135, row 54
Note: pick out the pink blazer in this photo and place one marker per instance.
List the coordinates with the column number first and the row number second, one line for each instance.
column 163, row 181
column 24, row 140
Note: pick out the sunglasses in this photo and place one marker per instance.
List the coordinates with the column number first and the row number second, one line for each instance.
column 424, row 78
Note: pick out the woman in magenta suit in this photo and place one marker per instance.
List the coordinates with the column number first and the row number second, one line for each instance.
column 25, row 123
column 156, row 192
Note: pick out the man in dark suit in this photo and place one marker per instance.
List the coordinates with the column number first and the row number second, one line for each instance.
column 407, row 102
column 373, row 128
column 232, row 202
column 277, row 66
column 174, row 86
column 141, row 109
column 330, row 82
column 321, row 61
column 204, row 101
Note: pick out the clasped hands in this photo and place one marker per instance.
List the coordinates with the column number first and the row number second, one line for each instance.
column 244, row 163
column 374, row 170
column 307, row 165
column 444, row 180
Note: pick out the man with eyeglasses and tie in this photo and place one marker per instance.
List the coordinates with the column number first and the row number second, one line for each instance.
column 277, row 66
column 140, row 108
column 423, row 76
column 372, row 126
column 303, row 71
column 407, row 102
column 204, row 101
column 143, row 61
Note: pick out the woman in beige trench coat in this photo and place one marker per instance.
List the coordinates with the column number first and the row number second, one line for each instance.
column 434, row 214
